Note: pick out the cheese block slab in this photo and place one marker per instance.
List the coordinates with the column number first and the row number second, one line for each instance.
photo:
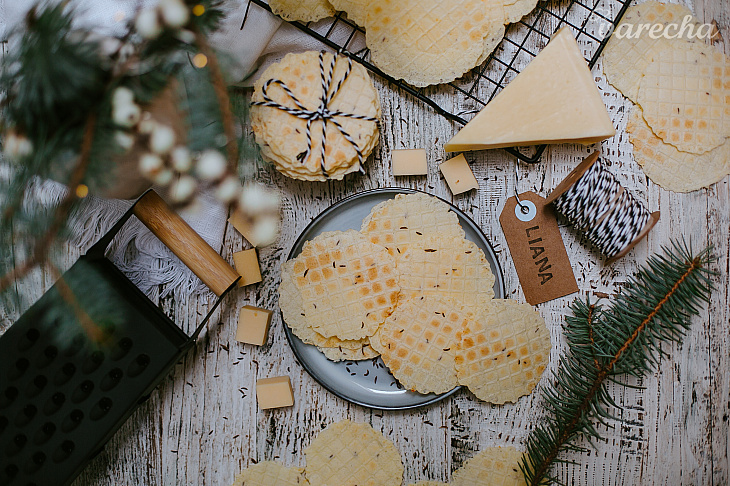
column 553, row 100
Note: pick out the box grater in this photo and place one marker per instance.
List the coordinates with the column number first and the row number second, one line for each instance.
column 62, row 396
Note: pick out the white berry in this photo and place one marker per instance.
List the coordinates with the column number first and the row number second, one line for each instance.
column 185, row 36
column 174, row 13
column 164, row 177
column 125, row 52
column 228, row 189
column 150, row 165
column 182, row 189
column 110, row 45
column 122, row 96
column 147, row 125
column 162, row 139
column 180, row 158
column 256, row 199
column 124, row 140
column 265, row 230
column 17, row 146
column 126, row 115
column 147, row 24
column 211, row 165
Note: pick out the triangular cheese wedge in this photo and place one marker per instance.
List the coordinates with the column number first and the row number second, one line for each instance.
column 553, row 100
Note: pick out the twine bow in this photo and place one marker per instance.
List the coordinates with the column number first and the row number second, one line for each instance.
column 321, row 113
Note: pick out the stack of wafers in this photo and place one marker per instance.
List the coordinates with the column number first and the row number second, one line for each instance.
column 288, row 101
column 411, row 288
column 680, row 123
column 423, row 42
column 354, row 454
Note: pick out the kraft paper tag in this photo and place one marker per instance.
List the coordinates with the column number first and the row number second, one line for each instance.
column 537, row 249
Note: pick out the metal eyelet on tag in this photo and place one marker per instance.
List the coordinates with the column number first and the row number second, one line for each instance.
column 525, row 210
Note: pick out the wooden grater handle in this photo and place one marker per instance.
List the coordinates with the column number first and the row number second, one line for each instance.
column 184, row 242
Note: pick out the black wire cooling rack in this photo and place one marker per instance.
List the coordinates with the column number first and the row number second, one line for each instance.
column 591, row 21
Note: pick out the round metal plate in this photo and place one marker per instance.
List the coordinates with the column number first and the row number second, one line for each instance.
column 369, row 383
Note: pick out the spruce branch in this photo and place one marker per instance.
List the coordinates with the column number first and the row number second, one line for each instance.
column 624, row 339
column 40, row 250
column 224, row 102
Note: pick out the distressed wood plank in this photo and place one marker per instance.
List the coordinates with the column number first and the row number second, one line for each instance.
column 202, row 425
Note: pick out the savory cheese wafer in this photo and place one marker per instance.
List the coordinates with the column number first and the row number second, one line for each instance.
column 428, row 42
column 503, row 352
column 348, row 285
column 398, row 222
column 268, row 473
column 304, row 10
column 631, row 48
column 418, row 342
column 352, row 454
column 674, row 170
column 685, row 96
column 496, row 466
column 446, row 266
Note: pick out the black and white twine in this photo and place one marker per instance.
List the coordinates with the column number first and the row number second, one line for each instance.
column 322, row 113
column 599, row 207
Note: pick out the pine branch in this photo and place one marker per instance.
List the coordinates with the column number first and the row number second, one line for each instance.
column 41, row 248
column 655, row 308
column 224, row 102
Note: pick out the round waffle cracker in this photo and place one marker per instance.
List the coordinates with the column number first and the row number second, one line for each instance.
column 348, row 285
column 418, row 343
column 515, row 10
column 353, row 454
column 674, row 170
column 304, row 10
column 398, row 222
column 685, row 96
column 626, row 57
column 344, row 354
column 292, row 309
column 427, row 42
column 503, row 352
column 446, row 266
column 496, row 466
column 357, row 10
column 490, row 43
column 268, row 473
column 285, row 136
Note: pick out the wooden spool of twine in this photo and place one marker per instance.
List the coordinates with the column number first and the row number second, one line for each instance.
column 595, row 203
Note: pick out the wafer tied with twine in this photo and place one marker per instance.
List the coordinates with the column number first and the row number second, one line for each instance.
column 298, row 101
column 625, row 337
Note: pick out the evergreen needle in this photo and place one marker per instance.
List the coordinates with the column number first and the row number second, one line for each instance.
column 654, row 308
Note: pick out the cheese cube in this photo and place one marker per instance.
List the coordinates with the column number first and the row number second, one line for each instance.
column 253, row 325
column 458, row 175
column 247, row 266
column 243, row 225
column 409, row 162
column 274, row 392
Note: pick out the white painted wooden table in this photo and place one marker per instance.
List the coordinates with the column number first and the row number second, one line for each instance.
column 202, row 425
